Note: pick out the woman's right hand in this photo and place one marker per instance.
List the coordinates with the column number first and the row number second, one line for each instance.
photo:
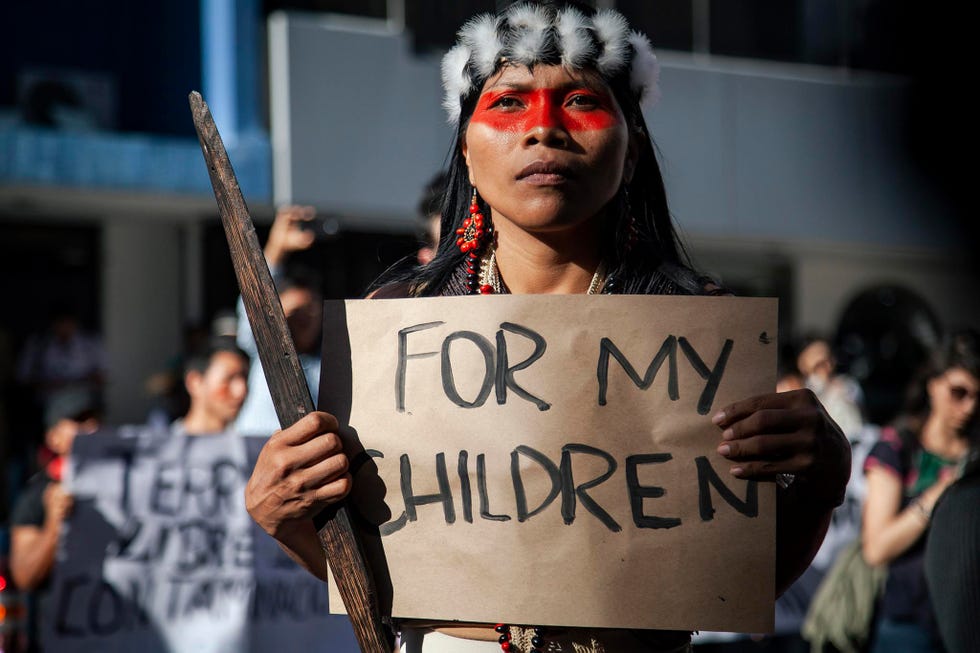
column 300, row 471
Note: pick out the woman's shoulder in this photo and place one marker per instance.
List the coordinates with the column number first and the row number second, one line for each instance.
column 893, row 450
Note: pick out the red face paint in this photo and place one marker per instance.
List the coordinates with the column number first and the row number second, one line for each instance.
column 579, row 109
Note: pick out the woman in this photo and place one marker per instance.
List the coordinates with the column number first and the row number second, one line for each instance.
column 554, row 188
column 907, row 471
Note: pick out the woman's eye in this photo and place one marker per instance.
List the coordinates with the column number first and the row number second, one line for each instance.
column 506, row 102
column 583, row 101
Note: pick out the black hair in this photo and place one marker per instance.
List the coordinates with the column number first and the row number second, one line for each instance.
column 433, row 195
column 960, row 349
column 639, row 238
column 200, row 360
column 300, row 277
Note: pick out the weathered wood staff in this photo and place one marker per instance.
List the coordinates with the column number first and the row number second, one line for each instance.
column 284, row 374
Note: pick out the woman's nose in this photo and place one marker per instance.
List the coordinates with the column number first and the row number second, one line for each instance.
column 545, row 124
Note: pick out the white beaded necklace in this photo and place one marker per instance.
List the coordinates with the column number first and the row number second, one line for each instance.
column 490, row 274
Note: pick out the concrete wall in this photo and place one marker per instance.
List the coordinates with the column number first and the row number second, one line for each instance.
column 822, row 278
column 141, row 316
column 750, row 149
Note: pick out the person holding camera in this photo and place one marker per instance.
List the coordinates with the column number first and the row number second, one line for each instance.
column 303, row 307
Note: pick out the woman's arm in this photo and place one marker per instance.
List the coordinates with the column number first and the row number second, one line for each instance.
column 32, row 551
column 790, row 433
column 33, row 548
column 300, row 471
column 887, row 530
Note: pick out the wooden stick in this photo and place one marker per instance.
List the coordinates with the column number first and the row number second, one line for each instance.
column 284, row 374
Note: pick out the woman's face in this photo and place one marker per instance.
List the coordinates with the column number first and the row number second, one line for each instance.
column 953, row 396
column 547, row 150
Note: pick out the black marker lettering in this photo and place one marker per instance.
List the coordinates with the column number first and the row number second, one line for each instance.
column 444, row 496
column 227, row 479
column 713, row 376
column 505, row 374
column 65, row 601
column 706, row 476
column 667, row 350
column 403, row 358
column 523, row 514
column 449, row 383
column 569, row 491
column 163, row 488
column 481, row 486
column 466, row 495
column 639, row 492
column 105, row 618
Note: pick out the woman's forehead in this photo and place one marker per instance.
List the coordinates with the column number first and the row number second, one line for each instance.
column 960, row 376
column 544, row 76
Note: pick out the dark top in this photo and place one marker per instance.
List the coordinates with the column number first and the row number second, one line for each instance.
column 952, row 563
column 906, row 595
column 29, row 509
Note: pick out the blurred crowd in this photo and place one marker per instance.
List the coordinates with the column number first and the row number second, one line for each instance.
column 897, row 571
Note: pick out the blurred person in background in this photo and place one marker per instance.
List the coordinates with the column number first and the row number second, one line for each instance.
column 63, row 359
column 816, row 369
column 41, row 508
column 907, row 471
column 840, row 394
column 216, row 380
column 303, row 307
column 842, row 397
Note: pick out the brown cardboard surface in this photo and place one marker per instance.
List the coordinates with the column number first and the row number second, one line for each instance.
column 421, row 394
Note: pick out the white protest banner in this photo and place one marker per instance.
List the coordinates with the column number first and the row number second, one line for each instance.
column 551, row 460
column 160, row 555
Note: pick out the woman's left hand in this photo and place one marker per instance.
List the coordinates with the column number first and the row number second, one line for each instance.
column 787, row 433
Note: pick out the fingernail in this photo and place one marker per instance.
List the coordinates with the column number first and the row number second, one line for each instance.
column 724, row 450
column 737, row 471
column 728, row 434
column 718, row 418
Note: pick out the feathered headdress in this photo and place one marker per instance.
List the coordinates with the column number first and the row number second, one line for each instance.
column 529, row 34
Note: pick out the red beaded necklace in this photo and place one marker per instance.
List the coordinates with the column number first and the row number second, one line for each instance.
column 537, row 640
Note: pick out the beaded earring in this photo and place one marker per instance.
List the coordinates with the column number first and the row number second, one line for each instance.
column 470, row 240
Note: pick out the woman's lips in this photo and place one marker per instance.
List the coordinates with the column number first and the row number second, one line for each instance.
column 545, row 173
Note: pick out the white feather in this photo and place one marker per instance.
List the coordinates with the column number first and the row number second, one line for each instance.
column 611, row 29
column 530, row 25
column 576, row 46
column 527, row 41
column 528, row 16
column 480, row 35
column 455, row 80
column 644, row 70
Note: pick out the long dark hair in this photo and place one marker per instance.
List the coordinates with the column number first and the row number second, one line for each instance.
column 637, row 255
column 960, row 349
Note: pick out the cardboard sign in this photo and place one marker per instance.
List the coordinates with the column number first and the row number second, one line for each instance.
column 159, row 555
column 551, row 460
